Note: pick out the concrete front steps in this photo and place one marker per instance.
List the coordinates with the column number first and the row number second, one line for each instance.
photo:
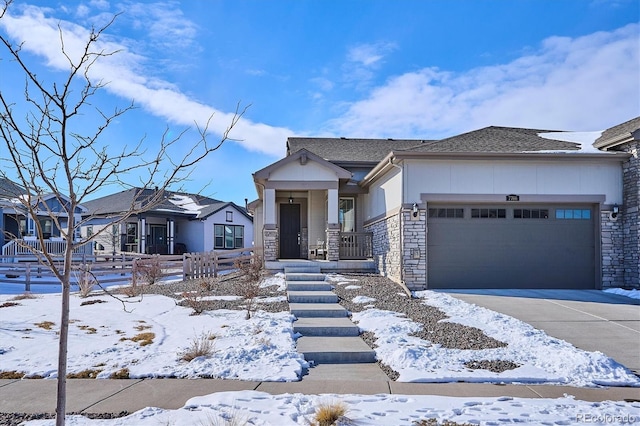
column 328, row 336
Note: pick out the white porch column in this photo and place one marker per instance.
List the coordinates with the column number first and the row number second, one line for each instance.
column 142, row 230
column 171, row 234
column 269, row 206
column 332, row 206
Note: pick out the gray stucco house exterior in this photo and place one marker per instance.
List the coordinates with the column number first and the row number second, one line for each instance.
column 497, row 207
column 179, row 222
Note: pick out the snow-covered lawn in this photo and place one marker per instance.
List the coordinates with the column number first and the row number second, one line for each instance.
column 148, row 339
column 258, row 408
column 150, row 336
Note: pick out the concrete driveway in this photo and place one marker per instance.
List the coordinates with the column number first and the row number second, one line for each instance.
column 589, row 319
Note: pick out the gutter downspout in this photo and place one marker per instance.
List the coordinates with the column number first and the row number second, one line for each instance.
column 400, row 222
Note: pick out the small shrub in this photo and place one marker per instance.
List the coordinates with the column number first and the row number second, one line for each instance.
column 327, row 414
column 11, row 374
column 133, row 290
column 85, row 279
column 149, row 270
column 85, row 374
column 249, row 284
column 120, row 374
column 200, row 346
column 195, row 299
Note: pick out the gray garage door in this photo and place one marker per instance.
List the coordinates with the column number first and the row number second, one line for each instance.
column 508, row 246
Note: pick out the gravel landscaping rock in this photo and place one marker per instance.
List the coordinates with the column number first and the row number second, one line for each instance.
column 381, row 293
column 14, row 419
column 389, row 296
column 227, row 285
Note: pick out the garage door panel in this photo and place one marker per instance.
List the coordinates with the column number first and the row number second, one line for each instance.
column 510, row 253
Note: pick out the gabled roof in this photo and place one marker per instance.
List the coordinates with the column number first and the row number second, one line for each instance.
column 171, row 202
column 498, row 139
column 303, row 155
column 347, row 150
column 10, row 189
column 214, row 208
column 618, row 134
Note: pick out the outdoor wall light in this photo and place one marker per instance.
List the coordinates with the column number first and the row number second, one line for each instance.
column 290, row 199
column 615, row 211
column 415, row 209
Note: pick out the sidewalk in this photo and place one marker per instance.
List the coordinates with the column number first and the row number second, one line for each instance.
column 115, row 396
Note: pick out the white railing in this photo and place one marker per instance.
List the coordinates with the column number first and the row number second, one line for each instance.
column 27, row 247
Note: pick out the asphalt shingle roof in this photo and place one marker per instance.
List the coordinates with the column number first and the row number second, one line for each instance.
column 347, row 149
column 498, row 139
column 122, row 202
column 10, row 189
column 627, row 127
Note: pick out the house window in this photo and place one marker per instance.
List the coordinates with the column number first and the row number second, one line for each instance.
column 449, row 213
column 132, row 233
column 347, row 214
column 47, row 228
column 89, row 231
column 488, row 213
column 229, row 216
column 531, row 214
column 228, row 236
column 579, row 214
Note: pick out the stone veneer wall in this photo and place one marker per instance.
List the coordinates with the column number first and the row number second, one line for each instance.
column 414, row 253
column 386, row 246
column 270, row 243
column 631, row 215
column 333, row 242
column 612, row 247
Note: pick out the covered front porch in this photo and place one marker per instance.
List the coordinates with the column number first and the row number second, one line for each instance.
column 305, row 212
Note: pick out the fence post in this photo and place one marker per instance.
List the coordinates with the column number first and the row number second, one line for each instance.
column 134, row 272
column 27, row 278
column 215, row 264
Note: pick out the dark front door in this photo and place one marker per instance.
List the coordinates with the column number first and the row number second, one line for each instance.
column 158, row 241
column 289, row 231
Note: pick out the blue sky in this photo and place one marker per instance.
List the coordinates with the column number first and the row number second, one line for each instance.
column 403, row 69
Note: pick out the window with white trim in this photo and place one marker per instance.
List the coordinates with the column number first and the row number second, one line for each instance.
column 228, row 236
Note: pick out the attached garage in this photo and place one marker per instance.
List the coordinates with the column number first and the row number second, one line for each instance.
column 512, row 246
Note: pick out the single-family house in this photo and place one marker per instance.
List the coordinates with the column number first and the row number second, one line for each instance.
column 497, row 207
column 175, row 223
column 18, row 224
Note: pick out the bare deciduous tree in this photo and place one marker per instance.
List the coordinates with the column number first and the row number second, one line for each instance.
column 50, row 153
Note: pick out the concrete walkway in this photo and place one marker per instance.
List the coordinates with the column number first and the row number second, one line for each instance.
column 115, row 396
column 589, row 319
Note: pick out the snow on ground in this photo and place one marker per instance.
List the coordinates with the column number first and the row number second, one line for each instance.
column 633, row 293
column 541, row 358
column 105, row 338
column 258, row 408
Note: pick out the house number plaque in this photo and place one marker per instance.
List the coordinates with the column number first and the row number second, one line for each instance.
column 513, row 197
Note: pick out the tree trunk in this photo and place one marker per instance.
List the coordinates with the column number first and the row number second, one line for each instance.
column 61, row 402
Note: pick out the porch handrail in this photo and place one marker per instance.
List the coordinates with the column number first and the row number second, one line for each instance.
column 356, row 245
column 24, row 247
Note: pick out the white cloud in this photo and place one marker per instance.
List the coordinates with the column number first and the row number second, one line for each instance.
column 584, row 83
column 126, row 78
column 369, row 55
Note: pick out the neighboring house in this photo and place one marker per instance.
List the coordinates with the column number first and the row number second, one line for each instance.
column 16, row 224
column 177, row 223
column 497, row 207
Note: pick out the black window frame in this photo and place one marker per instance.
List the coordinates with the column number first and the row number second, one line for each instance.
column 221, row 239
